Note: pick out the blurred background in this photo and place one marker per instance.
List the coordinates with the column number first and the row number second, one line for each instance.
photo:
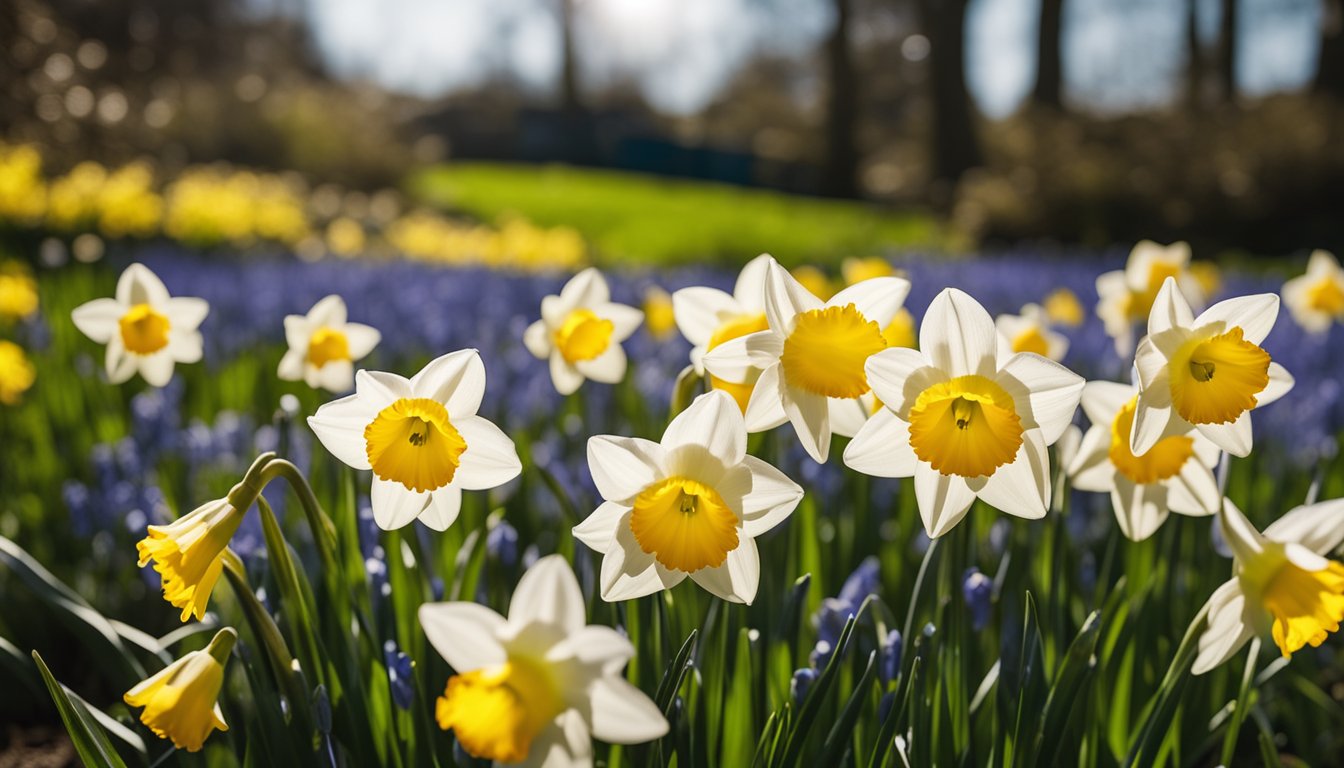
column 952, row 123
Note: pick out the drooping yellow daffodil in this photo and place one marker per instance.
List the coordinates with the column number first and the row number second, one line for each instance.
column 187, row 554
column 422, row 439
column 16, row 373
column 181, row 701
column 1207, row 371
column 323, row 346
column 1316, row 299
column 709, row 317
column 690, row 505
column 1031, row 332
column 1175, row 476
column 580, row 332
column 146, row 330
column 1126, row 296
column 811, row 356
column 1283, row 583
column 1062, row 307
column 964, row 418
column 535, row 689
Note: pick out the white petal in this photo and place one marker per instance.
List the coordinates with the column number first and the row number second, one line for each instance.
column 713, row 422
column 361, row 339
column 1193, row 491
column 99, row 319
column 490, row 459
column 1170, row 309
column 629, row 572
column 380, row 388
column 586, row 289
column 892, row 375
column 737, row 579
column 765, row 407
column 444, row 506
column 624, row 320
column 943, row 499
column 564, row 376
column 1234, row 437
column 1318, row 527
column 1280, row 383
column 456, row 379
column 1021, row 487
column 553, row 311
column 811, row 418
column 735, row 359
column 186, row 312
column 878, row 299
column 291, row 367
column 623, row 714
column 340, row 426
column 537, row 339
column 1139, row 509
column 1245, row 541
column 700, row 310
column 185, row 346
column 395, row 505
column 847, row 415
column 1049, row 389
column 138, row 285
column 607, row 368
column 1091, row 468
column 157, row 369
column 600, row 648
column 464, row 634
column 750, row 287
column 958, row 335
column 598, row 530
column 121, row 365
column 297, row 333
column 1254, row 315
column 623, row 466
column 1102, row 400
column 1154, row 419
column 772, row 498
column 329, row 311
column 336, row 376
column 785, row 297
column 1225, row 630
column 549, row 594
column 882, row 447
column 565, row 743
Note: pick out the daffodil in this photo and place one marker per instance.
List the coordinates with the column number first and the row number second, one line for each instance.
column 323, row 346
column 187, row 553
column 18, row 293
column 1175, row 476
column 659, row 314
column 708, row 317
column 1283, row 583
column 856, row 270
column 1125, row 296
column 181, row 701
column 1316, row 299
column 1062, row 307
column 146, row 330
column 16, row 373
column 690, row 505
column 1207, row 371
column 422, row 439
column 964, row 418
column 1031, row 332
column 811, row 356
column 580, row 332
column 535, row 688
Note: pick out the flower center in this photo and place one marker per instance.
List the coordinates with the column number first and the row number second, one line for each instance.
column 496, row 712
column 412, row 442
column 825, row 352
column 583, row 336
column 684, row 524
column 967, row 426
column 1306, row 605
column 1214, row 380
column 327, row 345
column 1031, row 340
column 1326, row 296
column 144, row 331
column 733, row 328
column 1163, row 461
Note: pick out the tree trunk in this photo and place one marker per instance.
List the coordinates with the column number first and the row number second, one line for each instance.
column 955, row 149
column 1330, row 64
column 842, row 156
column 1194, row 57
column 1227, row 52
column 1049, row 69
column 569, row 65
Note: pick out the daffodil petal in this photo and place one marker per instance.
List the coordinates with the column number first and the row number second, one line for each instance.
column 785, row 297
column 186, row 312
column 958, row 335
column 1254, row 315
column 564, row 376
column 1170, row 309
column 1318, row 527
column 361, row 339
column 1022, row 487
column 395, row 505
column 456, row 379
column 714, row 423
column 1091, row 468
column 598, row 530
column 490, row 459
column 1225, row 630
column 943, row 499
column 772, row 498
column 1049, row 391
column 882, row 447
column 811, row 418
column 464, row 634
column 537, row 339
column 99, row 319
column 765, row 408
column 749, row 290
column 340, row 425
column 157, row 369
column 629, row 572
column 1234, row 437
column 699, row 311
column 1139, row 509
column 623, row 466
column 737, row 579
column 622, row 714
column 444, row 506
column 878, row 299
column 548, row 593
column 138, row 285
column 1280, row 383
column 624, row 319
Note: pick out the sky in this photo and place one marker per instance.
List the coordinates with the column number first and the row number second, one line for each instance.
column 1118, row 54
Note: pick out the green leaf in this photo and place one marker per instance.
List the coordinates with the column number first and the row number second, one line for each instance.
column 1075, row 673
column 837, row 741
column 90, row 742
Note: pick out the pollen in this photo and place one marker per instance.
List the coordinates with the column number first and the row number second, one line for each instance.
column 1306, row 605
column 327, row 345
column 144, row 330
column 496, row 712
column 967, row 426
column 1214, row 380
column 1327, row 296
column 583, row 336
column 1165, row 460
column 733, row 328
column 684, row 524
column 1031, row 340
column 825, row 352
column 413, row 442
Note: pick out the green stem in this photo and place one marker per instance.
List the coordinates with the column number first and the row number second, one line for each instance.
column 263, row 626
column 1242, row 704
column 1160, row 712
column 324, row 531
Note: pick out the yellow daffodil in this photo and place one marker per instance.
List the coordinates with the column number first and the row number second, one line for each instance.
column 709, row 317
column 856, row 270
column 964, row 418
column 16, row 373
column 902, row 331
column 1126, row 296
column 1283, row 583
column 690, row 505
column 345, row 237
column 146, row 331
column 811, row 356
column 659, row 315
column 1031, row 332
column 580, row 332
column 817, row 282
column 1062, row 307
column 18, row 294
column 323, row 346
column 181, row 701
column 1316, row 299
column 535, row 688
column 187, row 554
column 1175, row 476
column 422, row 439
column 1207, row 371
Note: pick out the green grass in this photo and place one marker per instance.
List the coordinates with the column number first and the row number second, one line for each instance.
column 632, row 218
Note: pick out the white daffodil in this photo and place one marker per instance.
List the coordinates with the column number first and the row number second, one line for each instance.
column 323, row 346
column 422, row 439
column 691, row 505
column 964, row 418
column 811, row 356
column 1175, row 476
column 1283, row 583
column 1206, row 371
column 1031, row 332
column 1126, row 295
column 535, row 689
column 1316, row 299
column 580, row 332
column 708, row 317
column 146, row 330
